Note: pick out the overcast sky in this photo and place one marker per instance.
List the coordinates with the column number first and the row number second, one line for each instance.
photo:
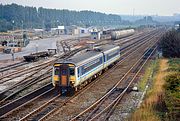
column 141, row 7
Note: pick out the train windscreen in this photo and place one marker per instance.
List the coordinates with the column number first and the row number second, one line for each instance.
column 56, row 71
column 71, row 71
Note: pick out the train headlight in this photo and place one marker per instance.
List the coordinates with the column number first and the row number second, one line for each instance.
column 56, row 78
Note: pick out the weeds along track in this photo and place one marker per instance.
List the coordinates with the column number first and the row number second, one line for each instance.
column 53, row 105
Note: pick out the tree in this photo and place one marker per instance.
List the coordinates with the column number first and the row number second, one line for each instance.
column 170, row 44
column 43, row 17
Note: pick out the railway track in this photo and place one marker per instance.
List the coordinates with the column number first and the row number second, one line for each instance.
column 103, row 108
column 52, row 109
column 30, row 79
column 49, row 107
column 18, row 73
column 34, row 77
column 2, row 69
column 18, row 103
column 16, row 89
column 22, row 101
column 65, row 111
column 124, row 40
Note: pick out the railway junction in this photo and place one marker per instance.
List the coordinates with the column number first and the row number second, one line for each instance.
column 27, row 92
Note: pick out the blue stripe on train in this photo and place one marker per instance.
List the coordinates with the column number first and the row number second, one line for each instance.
column 96, row 68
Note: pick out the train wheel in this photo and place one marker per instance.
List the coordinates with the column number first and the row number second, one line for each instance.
column 70, row 91
column 89, row 80
column 100, row 73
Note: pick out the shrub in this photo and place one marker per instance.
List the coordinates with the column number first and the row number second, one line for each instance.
column 172, row 98
column 170, row 44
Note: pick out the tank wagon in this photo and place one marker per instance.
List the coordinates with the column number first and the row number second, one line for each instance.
column 122, row 33
column 70, row 75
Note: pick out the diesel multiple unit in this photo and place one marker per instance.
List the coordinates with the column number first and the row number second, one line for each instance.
column 76, row 71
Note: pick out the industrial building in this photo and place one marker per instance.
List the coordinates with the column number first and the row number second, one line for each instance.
column 96, row 35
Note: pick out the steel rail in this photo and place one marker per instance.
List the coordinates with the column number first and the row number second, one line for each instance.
column 97, row 102
column 44, row 117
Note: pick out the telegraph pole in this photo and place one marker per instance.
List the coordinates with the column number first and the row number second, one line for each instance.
column 13, row 42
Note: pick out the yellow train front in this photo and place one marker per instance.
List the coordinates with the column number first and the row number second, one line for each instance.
column 64, row 76
column 71, row 74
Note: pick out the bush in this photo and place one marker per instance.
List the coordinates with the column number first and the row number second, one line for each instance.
column 174, row 64
column 170, row 44
column 173, row 83
column 172, row 90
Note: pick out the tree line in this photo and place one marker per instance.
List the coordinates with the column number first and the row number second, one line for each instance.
column 17, row 16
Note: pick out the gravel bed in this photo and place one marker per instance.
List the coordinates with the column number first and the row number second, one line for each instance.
column 84, row 100
column 124, row 109
column 17, row 115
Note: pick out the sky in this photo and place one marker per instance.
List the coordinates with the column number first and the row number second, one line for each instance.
column 128, row 7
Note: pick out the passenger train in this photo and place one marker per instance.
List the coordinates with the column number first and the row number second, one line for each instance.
column 71, row 74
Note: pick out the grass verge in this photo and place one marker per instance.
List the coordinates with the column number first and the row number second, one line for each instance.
column 150, row 70
column 153, row 107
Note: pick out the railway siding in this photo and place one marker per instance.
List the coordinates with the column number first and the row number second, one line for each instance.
column 73, row 102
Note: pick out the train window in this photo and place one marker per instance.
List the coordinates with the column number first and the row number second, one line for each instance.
column 56, row 71
column 63, row 72
column 93, row 64
column 111, row 55
column 79, row 72
column 101, row 60
column 71, row 71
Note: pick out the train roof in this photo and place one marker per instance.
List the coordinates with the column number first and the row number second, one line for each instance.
column 88, row 55
column 83, row 57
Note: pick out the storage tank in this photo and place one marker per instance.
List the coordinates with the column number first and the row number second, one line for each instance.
column 122, row 33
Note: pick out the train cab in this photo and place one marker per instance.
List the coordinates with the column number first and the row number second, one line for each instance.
column 63, row 75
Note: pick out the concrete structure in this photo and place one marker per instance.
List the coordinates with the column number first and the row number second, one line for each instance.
column 19, row 40
column 68, row 30
column 83, row 30
column 95, row 35
column 40, row 45
column 71, row 30
column 74, row 30
column 60, row 30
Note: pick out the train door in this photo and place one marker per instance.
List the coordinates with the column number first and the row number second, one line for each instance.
column 64, row 75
